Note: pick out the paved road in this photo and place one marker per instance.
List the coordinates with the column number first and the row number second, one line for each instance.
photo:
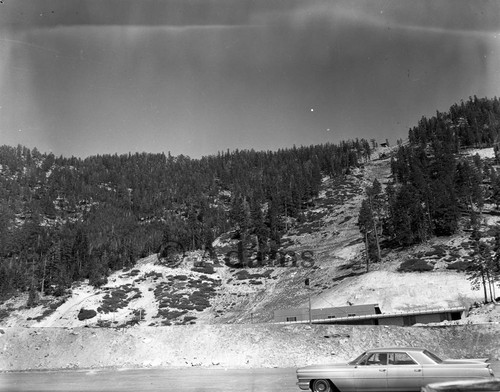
column 190, row 380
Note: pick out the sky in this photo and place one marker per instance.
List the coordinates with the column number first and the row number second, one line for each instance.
column 195, row 77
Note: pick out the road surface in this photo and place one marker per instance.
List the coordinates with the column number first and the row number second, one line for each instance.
column 192, row 379
column 183, row 380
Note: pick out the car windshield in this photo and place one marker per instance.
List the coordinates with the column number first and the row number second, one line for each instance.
column 433, row 356
column 357, row 359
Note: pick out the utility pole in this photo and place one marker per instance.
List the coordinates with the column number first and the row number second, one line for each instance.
column 310, row 322
column 306, row 282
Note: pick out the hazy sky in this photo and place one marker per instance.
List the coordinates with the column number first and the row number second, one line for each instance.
column 194, row 77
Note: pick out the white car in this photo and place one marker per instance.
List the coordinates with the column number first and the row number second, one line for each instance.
column 390, row 369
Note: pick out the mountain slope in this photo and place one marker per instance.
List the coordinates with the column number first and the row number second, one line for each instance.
column 328, row 249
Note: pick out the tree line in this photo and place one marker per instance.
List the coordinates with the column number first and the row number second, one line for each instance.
column 66, row 219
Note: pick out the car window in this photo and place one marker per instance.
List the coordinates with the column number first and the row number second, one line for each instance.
column 401, row 359
column 375, row 359
column 358, row 360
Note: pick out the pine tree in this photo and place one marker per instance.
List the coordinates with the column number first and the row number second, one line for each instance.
column 443, row 208
column 494, row 265
column 33, row 297
column 468, row 185
column 273, row 221
column 408, row 217
column 260, row 229
column 478, row 269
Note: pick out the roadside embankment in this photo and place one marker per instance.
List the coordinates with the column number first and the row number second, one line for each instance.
column 229, row 346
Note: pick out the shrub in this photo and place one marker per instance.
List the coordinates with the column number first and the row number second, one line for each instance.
column 164, row 304
column 85, row 314
column 466, row 245
column 98, row 281
column 154, row 275
column 415, row 265
column 204, row 268
column 169, row 315
column 55, row 305
column 4, row 313
column 118, row 299
column 46, row 313
column 199, row 299
column 303, row 230
column 244, row 274
column 438, row 251
column 136, row 296
column 460, row 265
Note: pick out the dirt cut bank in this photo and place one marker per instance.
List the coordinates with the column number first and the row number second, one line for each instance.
column 229, row 346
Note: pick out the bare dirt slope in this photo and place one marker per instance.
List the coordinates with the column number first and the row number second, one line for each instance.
column 228, row 346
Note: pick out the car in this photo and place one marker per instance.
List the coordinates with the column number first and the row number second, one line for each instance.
column 492, row 385
column 390, row 369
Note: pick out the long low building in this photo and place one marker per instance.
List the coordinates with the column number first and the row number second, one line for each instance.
column 302, row 314
column 367, row 315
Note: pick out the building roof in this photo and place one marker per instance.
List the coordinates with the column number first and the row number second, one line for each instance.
column 338, row 309
column 380, row 316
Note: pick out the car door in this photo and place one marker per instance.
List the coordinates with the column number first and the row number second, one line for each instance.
column 371, row 374
column 403, row 373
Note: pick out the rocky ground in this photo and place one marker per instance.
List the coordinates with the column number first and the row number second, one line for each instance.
column 229, row 346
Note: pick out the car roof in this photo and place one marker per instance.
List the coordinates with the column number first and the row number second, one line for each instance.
column 396, row 349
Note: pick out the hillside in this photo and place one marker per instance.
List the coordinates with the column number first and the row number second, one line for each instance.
column 329, row 251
